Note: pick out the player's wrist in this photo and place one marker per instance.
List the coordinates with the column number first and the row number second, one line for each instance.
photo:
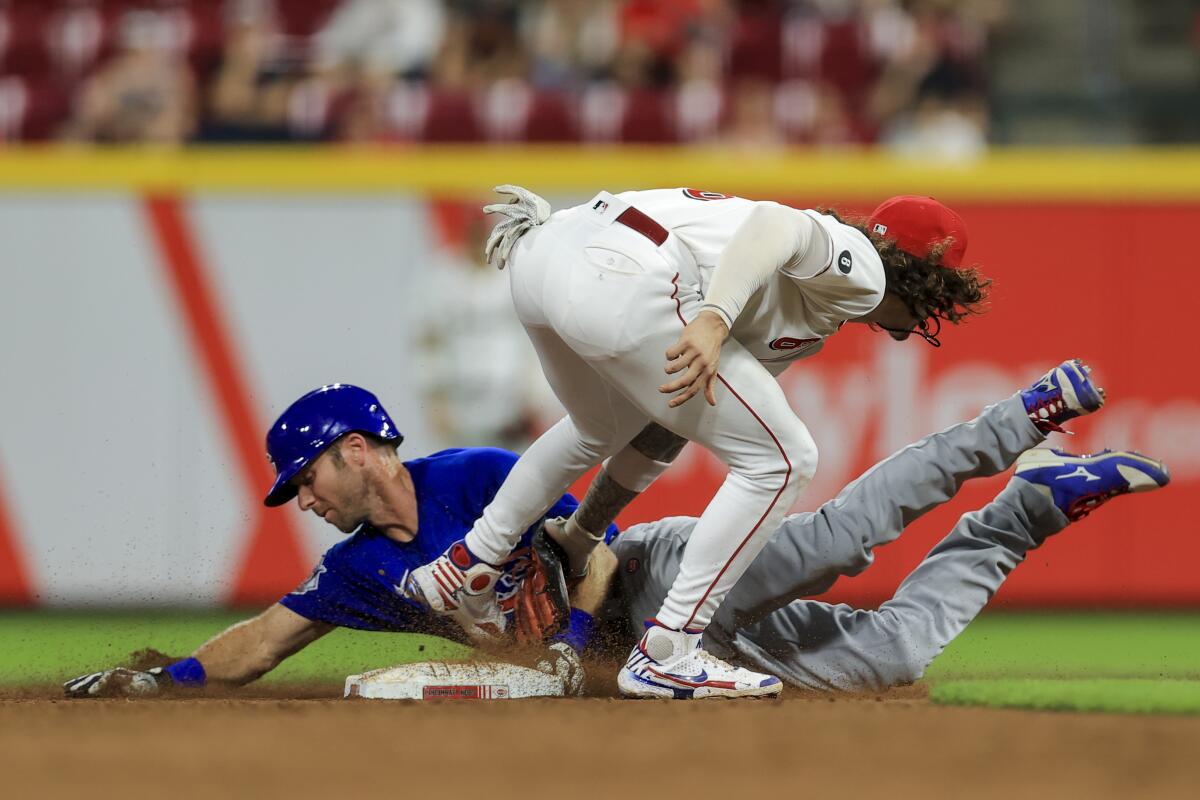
column 578, row 631
column 718, row 317
column 484, row 552
column 189, row 672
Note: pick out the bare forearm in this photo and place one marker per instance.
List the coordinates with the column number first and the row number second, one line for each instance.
column 235, row 656
column 250, row 649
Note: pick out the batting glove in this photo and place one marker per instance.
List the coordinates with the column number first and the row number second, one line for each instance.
column 459, row 585
column 524, row 210
column 119, row 682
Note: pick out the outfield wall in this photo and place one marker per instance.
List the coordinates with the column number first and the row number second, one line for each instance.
column 158, row 310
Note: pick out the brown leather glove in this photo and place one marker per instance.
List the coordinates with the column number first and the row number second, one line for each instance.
column 542, row 608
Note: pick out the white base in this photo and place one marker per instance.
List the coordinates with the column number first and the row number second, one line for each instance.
column 439, row 680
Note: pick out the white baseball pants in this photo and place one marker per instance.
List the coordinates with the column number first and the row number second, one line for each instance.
column 603, row 291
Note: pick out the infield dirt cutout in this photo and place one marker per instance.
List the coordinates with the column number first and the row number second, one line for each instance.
column 305, row 741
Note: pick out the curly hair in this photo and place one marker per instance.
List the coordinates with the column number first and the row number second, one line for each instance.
column 926, row 287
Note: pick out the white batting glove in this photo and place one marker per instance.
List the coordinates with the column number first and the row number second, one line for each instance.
column 459, row 585
column 524, row 210
column 119, row 682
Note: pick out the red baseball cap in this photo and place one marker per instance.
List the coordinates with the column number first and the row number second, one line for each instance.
column 917, row 223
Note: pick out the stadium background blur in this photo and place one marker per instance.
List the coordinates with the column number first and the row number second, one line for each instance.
column 934, row 77
column 208, row 208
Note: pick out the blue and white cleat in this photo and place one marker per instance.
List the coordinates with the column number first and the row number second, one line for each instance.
column 670, row 664
column 1063, row 393
column 1079, row 485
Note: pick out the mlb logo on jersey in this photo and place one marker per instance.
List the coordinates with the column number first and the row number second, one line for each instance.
column 600, row 206
column 696, row 194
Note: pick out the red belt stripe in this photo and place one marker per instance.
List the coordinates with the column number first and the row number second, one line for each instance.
column 632, row 218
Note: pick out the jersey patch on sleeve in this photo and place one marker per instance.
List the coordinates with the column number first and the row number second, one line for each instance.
column 314, row 579
column 696, row 194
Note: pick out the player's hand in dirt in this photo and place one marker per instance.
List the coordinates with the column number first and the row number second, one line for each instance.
column 562, row 660
column 119, row 682
column 696, row 354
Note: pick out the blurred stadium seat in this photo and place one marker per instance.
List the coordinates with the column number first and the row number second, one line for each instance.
column 911, row 74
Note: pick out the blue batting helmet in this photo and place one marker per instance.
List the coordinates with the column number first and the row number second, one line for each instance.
column 314, row 422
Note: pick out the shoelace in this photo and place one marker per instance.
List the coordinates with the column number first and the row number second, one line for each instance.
column 704, row 655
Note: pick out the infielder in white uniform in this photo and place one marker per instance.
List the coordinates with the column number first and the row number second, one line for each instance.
column 605, row 289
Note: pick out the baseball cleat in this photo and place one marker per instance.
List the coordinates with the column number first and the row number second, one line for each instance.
column 1063, row 393
column 670, row 664
column 1079, row 485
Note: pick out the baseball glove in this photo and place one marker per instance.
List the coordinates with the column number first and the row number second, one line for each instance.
column 542, row 607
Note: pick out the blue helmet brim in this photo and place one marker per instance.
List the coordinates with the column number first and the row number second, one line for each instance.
column 281, row 493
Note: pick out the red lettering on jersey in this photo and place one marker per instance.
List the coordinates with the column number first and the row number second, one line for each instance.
column 696, row 194
column 789, row 343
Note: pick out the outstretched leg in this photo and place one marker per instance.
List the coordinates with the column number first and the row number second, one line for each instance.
column 811, row 551
column 825, row 646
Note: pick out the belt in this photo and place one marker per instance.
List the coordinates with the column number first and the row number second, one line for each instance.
column 636, row 220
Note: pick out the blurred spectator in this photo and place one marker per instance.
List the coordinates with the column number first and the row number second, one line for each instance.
column 571, row 41
column 394, row 38
column 254, row 92
column 480, row 377
column 369, row 44
column 928, row 100
column 751, row 73
column 146, row 92
column 482, row 45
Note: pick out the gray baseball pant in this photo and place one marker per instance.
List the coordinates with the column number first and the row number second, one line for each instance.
column 763, row 621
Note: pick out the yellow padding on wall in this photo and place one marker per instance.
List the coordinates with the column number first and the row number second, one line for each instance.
column 1108, row 175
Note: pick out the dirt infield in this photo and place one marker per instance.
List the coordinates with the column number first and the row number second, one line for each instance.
column 262, row 745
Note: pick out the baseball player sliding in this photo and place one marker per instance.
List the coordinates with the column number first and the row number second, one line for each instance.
column 335, row 451
column 731, row 291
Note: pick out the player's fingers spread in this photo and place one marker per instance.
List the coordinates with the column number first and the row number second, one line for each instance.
column 710, row 388
column 686, row 379
column 684, row 396
column 676, row 365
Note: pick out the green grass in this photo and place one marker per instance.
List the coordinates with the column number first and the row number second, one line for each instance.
column 1123, row 663
column 1127, row 696
column 45, row 647
column 1074, row 645
column 1148, row 662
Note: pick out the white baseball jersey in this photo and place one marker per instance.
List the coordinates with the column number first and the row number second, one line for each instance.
column 807, row 300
